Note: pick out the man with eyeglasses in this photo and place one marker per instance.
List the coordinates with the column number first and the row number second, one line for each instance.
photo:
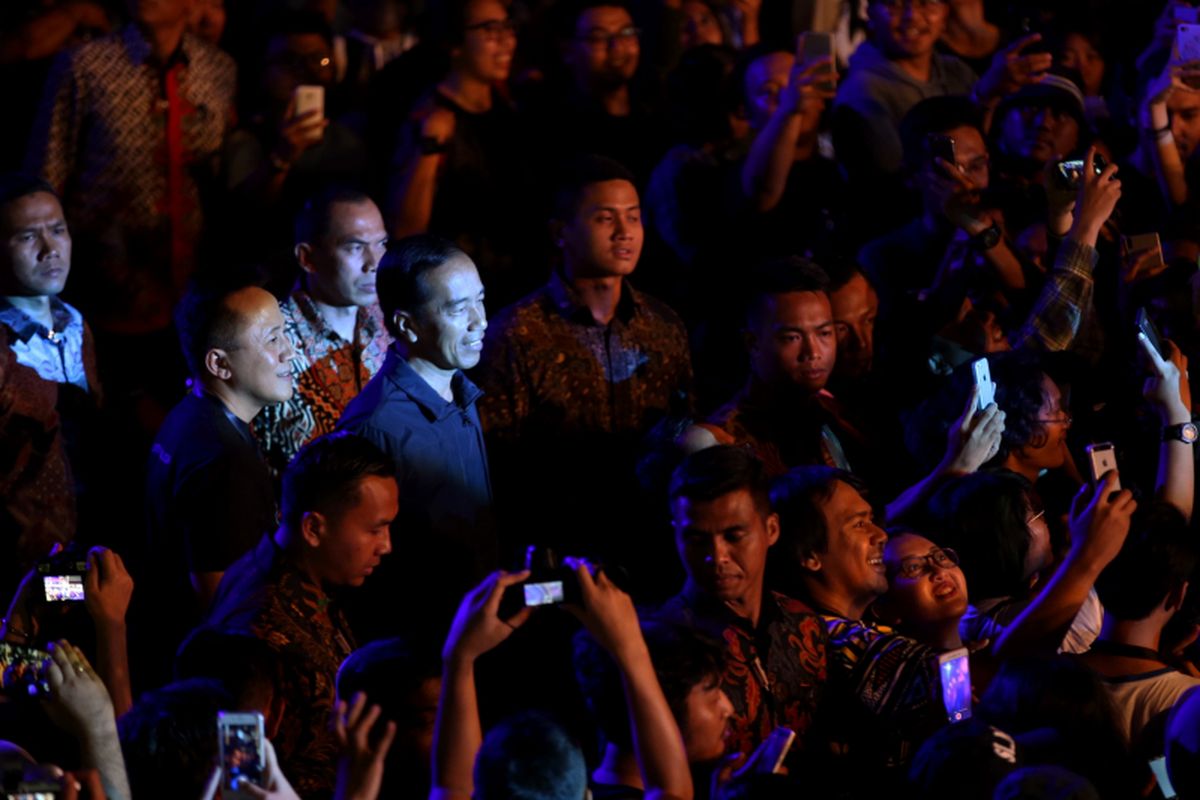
column 883, row 694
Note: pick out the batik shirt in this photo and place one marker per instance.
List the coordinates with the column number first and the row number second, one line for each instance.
column 327, row 373
column 122, row 138
column 774, row 674
column 56, row 354
column 264, row 595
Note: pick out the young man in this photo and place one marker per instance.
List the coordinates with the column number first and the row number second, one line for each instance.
column 420, row 409
column 331, row 319
column 209, row 494
column 775, row 647
column 578, row 372
column 339, row 501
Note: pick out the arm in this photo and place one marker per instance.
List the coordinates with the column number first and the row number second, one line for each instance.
column 1068, row 291
column 1009, row 71
column 107, row 592
column 47, row 33
column 609, row 615
column 1097, row 533
column 260, row 177
column 765, row 173
column 477, row 628
column 974, row 439
column 79, row 704
column 360, row 772
column 957, row 194
column 1171, row 398
column 416, row 185
column 205, row 584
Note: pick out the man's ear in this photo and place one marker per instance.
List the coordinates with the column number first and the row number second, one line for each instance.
column 304, row 257
column 312, row 528
column 216, row 363
column 811, row 562
column 1174, row 600
column 772, row 529
column 406, row 326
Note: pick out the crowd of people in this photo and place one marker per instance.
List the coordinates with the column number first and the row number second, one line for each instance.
column 599, row 398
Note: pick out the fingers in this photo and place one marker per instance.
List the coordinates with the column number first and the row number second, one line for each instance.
column 1023, row 42
column 214, row 781
column 1156, row 361
column 385, row 741
column 968, row 413
column 494, row 585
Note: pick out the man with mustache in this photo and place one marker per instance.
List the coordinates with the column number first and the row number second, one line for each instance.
column 420, row 409
column 331, row 319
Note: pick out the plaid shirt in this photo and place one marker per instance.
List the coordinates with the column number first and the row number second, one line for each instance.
column 327, row 373
column 120, row 137
column 1065, row 301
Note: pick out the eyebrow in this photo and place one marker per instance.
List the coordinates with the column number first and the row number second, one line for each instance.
column 635, row 207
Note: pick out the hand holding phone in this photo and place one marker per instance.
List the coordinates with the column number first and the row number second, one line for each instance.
column 812, row 47
column 242, row 754
column 1102, row 459
column 769, row 757
column 983, row 382
column 954, row 672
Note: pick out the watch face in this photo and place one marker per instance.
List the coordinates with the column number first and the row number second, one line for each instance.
column 1188, row 432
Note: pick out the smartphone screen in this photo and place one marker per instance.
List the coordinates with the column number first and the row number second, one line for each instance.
column 812, row 46
column 955, row 672
column 983, row 379
column 1149, row 330
column 20, row 668
column 1159, row 767
column 63, row 588
column 544, row 594
column 240, row 736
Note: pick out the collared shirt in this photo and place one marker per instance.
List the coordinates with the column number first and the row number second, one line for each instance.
column 56, row 353
column 445, row 527
column 122, row 138
column 774, row 674
column 550, row 368
column 265, row 596
column 1065, row 301
column 327, row 373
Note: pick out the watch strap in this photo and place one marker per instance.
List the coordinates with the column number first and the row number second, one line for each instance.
column 1185, row 432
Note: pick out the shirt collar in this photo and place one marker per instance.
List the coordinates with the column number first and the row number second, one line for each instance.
column 26, row 327
column 312, row 315
column 568, row 303
column 431, row 403
column 140, row 51
column 241, row 427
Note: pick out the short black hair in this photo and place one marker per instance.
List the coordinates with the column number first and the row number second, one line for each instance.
column 247, row 666
column 324, row 476
column 683, row 658
column 1159, row 555
column 933, row 116
column 168, row 738
column 529, row 757
column 313, row 219
column 780, row 276
column 400, row 282
column 798, row 497
column 388, row 671
column 983, row 516
column 15, row 185
column 840, row 271
column 565, row 14
column 717, row 471
column 578, row 174
column 205, row 321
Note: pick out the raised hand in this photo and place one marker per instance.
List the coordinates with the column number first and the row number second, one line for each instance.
column 1012, row 68
column 360, row 773
column 477, row 626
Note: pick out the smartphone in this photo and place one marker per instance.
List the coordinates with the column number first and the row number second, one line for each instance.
column 21, row 670
column 1149, row 331
column 1070, row 173
column 1102, row 459
column 954, row 669
column 1028, row 26
column 983, row 379
column 812, row 46
column 1144, row 241
column 240, row 743
column 26, row 781
column 310, row 98
column 1159, row 767
column 775, row 750
column 942, row 147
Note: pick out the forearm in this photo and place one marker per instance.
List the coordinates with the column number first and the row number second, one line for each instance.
column 1176, row 465
column 458, row 734
column 656, row 737
column 413, row 198
column 915, row 496
column 765, row 173
column 1040, row 627
column 101, row 751
column 112, row 664
column 1059, row 309
column 1158, row 140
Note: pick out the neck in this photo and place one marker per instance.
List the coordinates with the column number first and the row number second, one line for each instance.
column 164, row 39
column 1026, row 471
column 341, row 318
column 614, row 100
column 600, row 295
column 297, row 554
column 440, row 380
column 827, row 598
column 1140, row 633
column 618, row 768
column 241, row 407
column 916, row 67
column 36, row 308
column 469, row 92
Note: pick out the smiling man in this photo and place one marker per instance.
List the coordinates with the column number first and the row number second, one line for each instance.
column 339, row 501
column 331, row 319
column 420, row 409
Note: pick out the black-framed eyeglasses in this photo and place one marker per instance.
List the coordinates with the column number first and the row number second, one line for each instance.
column 494, row 29
column 916, row 566
column 597, row 37
column 1065, row 420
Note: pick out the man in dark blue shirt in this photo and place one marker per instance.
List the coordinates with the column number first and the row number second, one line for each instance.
column 420, row 410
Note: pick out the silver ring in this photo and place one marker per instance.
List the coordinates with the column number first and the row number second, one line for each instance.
column 79, row 670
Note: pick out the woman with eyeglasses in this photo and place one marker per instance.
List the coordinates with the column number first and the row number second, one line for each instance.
column 927, row 591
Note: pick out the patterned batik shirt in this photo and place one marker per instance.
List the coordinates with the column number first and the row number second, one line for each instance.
column 265, row 596
column 774, row 674
column 327, row 373
column 123, row 140
column 56, row 354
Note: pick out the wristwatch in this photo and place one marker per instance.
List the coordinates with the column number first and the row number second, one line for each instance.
column 987, row 238
column 1185, row 432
